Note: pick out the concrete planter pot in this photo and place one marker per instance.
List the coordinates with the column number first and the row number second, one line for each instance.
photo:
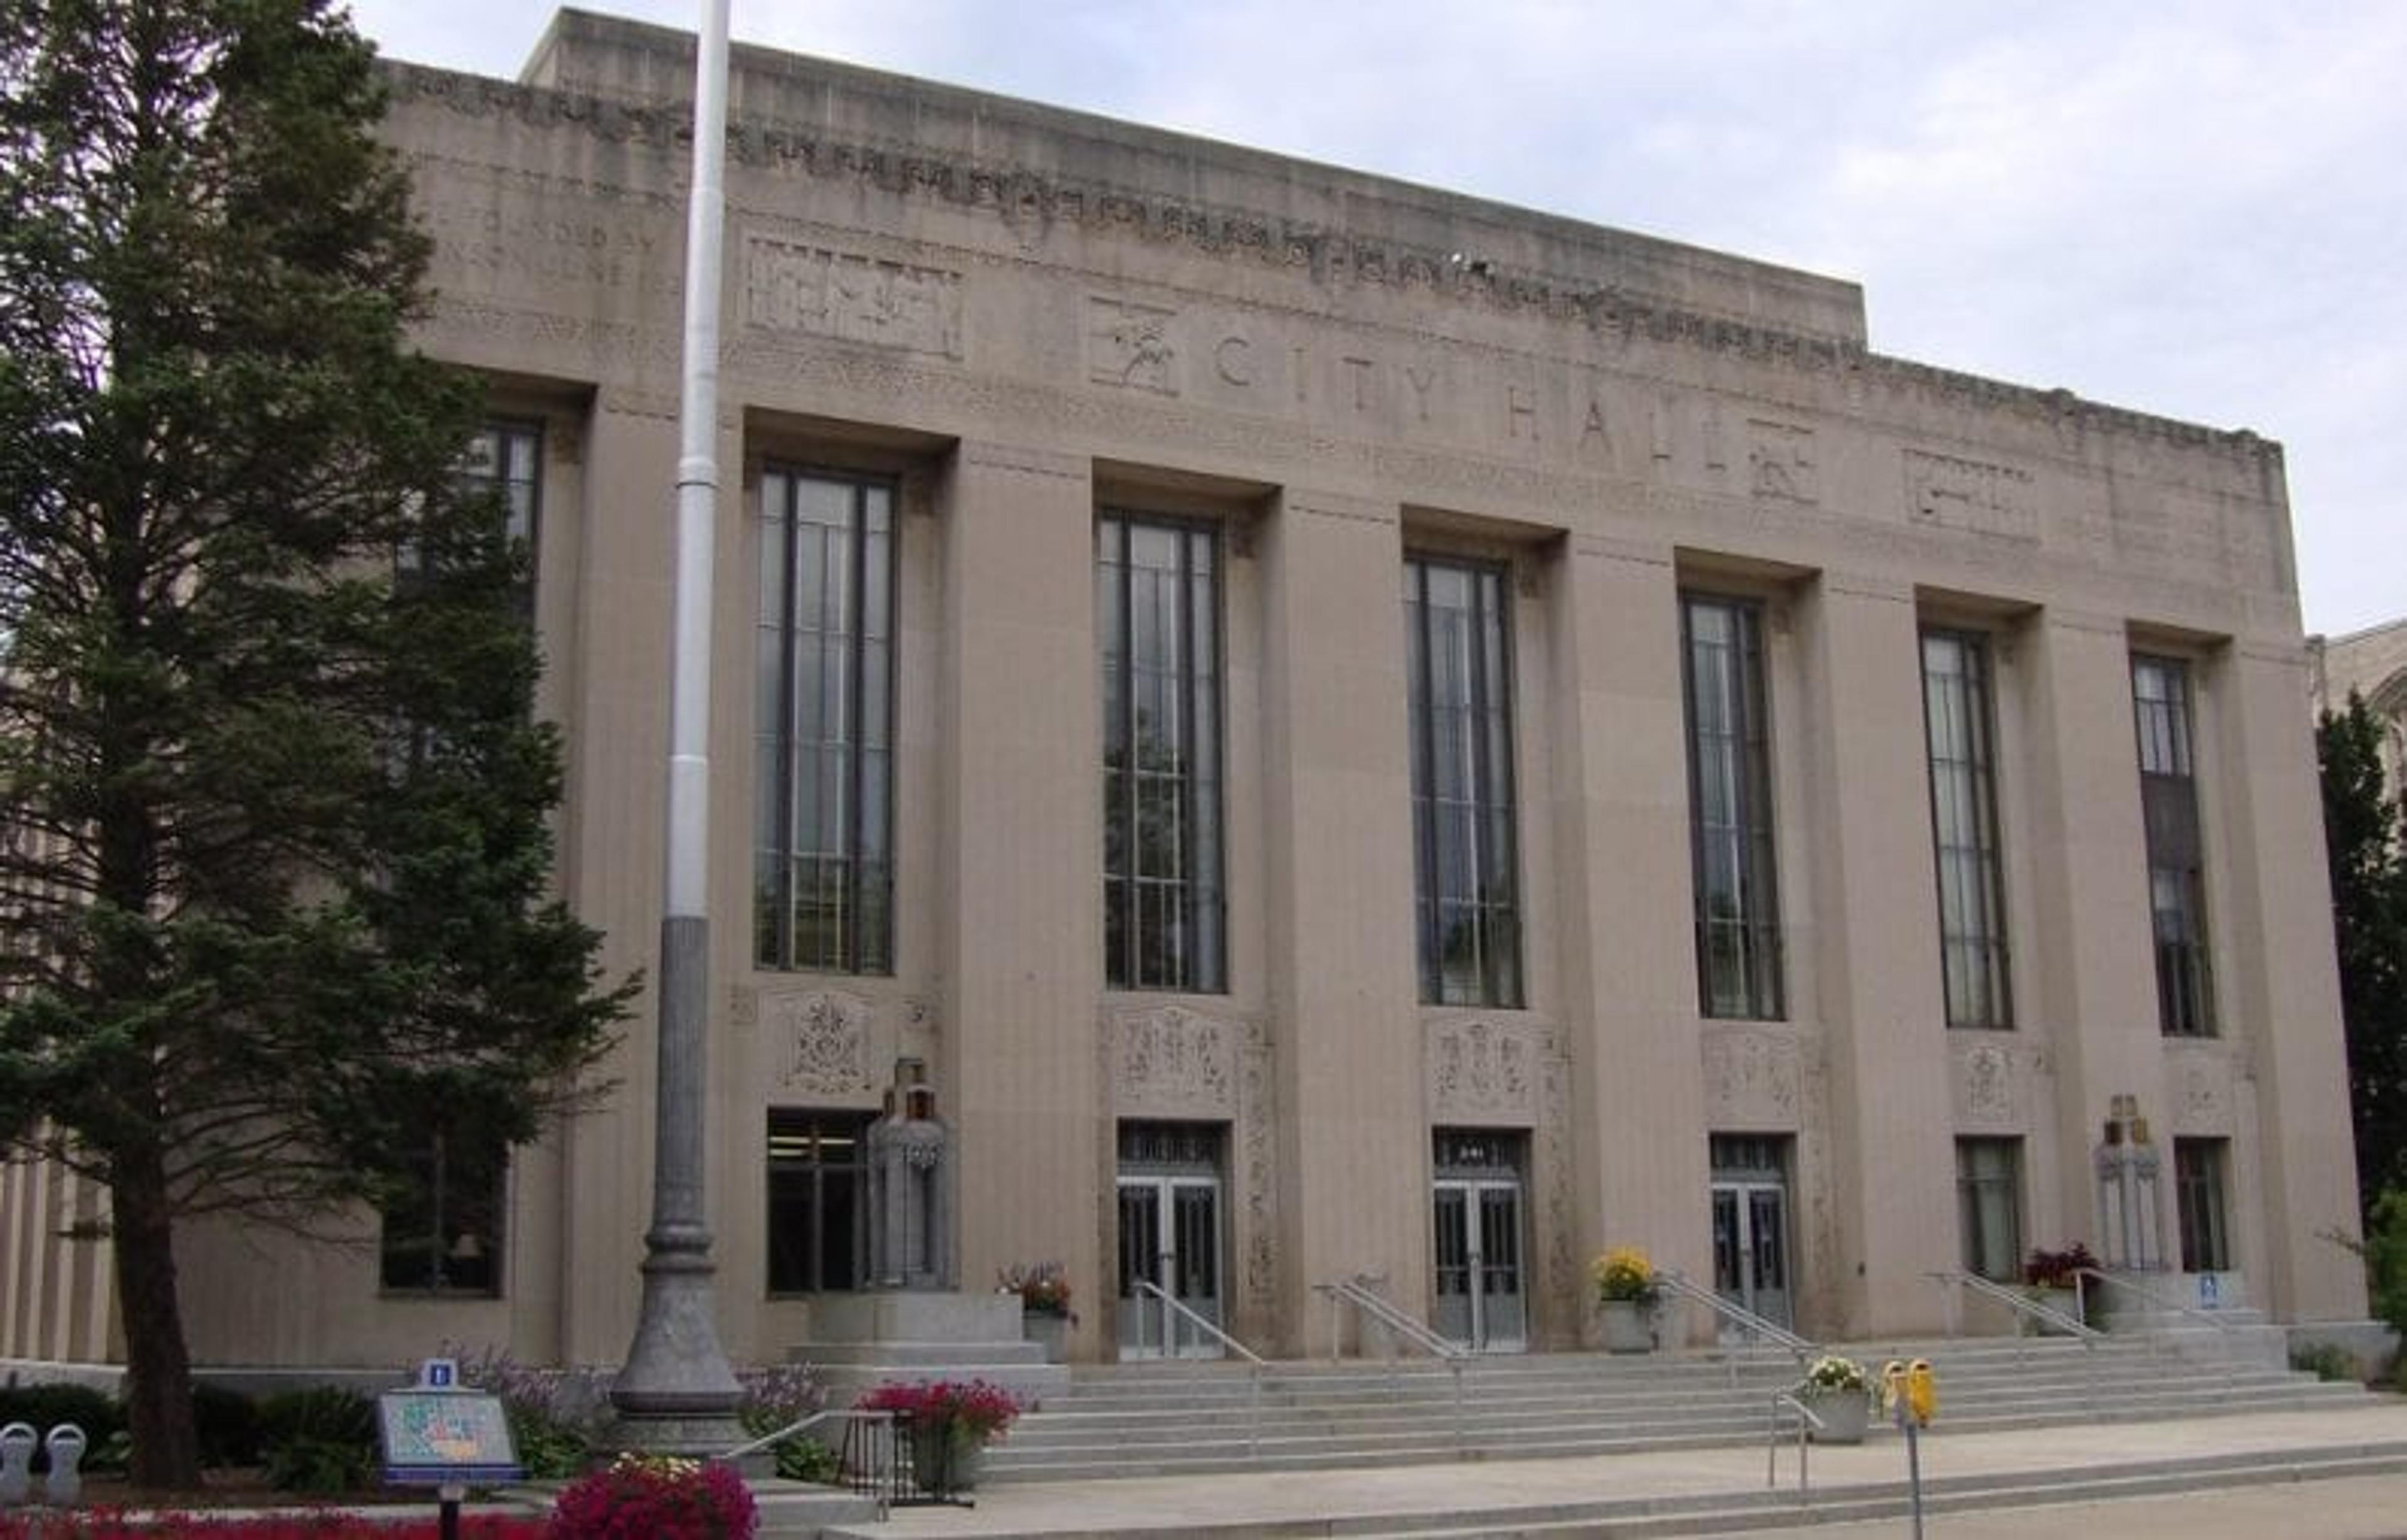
column 1050, row 1331
column 1629, row 1326
column 1844, row 1414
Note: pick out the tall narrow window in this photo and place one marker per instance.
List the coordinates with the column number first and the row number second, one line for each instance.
column 1466, row 889
column 824, row 871
column 1158, row 609
column 443, row 1215
column 1958, row 726
column 1730, row 811
column 1988, row 1206
column 506, row 457
column 819, row 1201
column 2199, row 1189
column 2176, row 877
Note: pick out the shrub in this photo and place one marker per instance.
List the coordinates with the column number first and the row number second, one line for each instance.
column 228, row 1424
column 778, row 1396
column 553, row 1413
column 45, row 1406
column 321, row 1441
column 657, row 1497
column 2327, row 1361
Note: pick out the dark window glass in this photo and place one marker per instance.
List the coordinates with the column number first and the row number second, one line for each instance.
column 824, row 732
column 1957, row 724
column 1466, row 885
column 2199, row 1168
column 443, row 1220
column 1158, row 609
column 1730, row 810
column 819, row 1201
column 2176, row 868
column 1988, row 1202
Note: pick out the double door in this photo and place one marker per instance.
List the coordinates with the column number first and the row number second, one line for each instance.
column 1481, row 1302
column 1170, row 1237
column 1751, row 1246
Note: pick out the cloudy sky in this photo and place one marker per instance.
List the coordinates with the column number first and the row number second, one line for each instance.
column 2194, row 207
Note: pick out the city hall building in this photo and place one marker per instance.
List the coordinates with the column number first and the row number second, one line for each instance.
column 1337, row 729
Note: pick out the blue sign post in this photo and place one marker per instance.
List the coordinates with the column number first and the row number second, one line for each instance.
column 436, row 1434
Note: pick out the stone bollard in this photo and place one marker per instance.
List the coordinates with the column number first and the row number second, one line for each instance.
column 17, row 1441
column 65, row 1446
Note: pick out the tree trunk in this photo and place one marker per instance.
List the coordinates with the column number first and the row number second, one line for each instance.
column 158, row 1369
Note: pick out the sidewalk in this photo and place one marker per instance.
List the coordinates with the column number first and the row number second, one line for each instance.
column 2278, row 1448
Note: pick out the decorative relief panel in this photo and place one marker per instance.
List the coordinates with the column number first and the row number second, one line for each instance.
column 1752, row 1080
column 2203, row 1092
column 1950, row 493
column 1780, row 462
column 1256, row 1128
column 1480, row 1071
column 790, row 286
column 1986, row 1092
column 1168, row 1060
column 1129, row 345
column 1555, row 1196
column 822, row 1043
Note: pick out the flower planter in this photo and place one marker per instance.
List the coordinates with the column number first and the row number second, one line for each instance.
column 945, row 1459
column 1844, row 1414
column 1050, row 1331
column 2064, row 1302
column 1629, row 1327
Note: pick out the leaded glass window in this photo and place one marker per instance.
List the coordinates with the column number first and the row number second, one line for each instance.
column 2161, row 697
column 1730, row 801
column 1158, row 621
column 1959, row 728
column 1466, row 885
column 823, row 734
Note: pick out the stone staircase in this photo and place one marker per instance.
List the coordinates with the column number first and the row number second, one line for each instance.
column 1136, row 1420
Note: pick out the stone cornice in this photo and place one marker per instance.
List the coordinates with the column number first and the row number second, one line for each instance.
column 1020, row 196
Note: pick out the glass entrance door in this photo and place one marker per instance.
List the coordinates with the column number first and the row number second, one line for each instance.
column 1170, row 1237
column 1751, row 1248
column 1480, row 1303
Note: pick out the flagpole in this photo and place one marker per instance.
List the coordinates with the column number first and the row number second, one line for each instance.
column 677, row 1392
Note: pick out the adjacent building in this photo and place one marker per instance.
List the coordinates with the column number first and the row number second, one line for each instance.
column 1352, row 731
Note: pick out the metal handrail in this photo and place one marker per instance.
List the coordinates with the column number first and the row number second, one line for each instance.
column 2022, row 1304
column 1356, row 1291
column 1190, row 1315
column 2023, row 1307
column 871, row 1481
column 2223, row 1329
column 1746, row 1320
column 1253, row 1359
column 1807, row 1420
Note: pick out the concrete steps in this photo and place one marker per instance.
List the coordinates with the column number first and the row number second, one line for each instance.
column 1128, row 1420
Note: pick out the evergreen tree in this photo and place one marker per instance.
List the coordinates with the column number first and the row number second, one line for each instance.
column 2362, row 838
column 273, row 858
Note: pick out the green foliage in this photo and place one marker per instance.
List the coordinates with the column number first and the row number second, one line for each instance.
column 2363, row 830
column 275, row 860
column 227, row 1422
column 321, row 1441
column 45, row 1407
column 2326, row 1360
column 2385, row 1250
column 778, row 1396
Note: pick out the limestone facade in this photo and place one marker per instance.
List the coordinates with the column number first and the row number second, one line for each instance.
column 1021, row 322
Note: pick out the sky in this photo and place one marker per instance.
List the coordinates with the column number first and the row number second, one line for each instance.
column 2191, row 207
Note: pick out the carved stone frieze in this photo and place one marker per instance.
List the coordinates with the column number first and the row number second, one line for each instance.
column 821, row 1042
column 1752, row 1080
column 2203, row 1088
column 1986, row 1094
column 1168, row 1060
column 1130, row 345
column 1484, row 1072
column 1257, row 1144
column 1781, row 463
column 1947, row 491
column 790, row 286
